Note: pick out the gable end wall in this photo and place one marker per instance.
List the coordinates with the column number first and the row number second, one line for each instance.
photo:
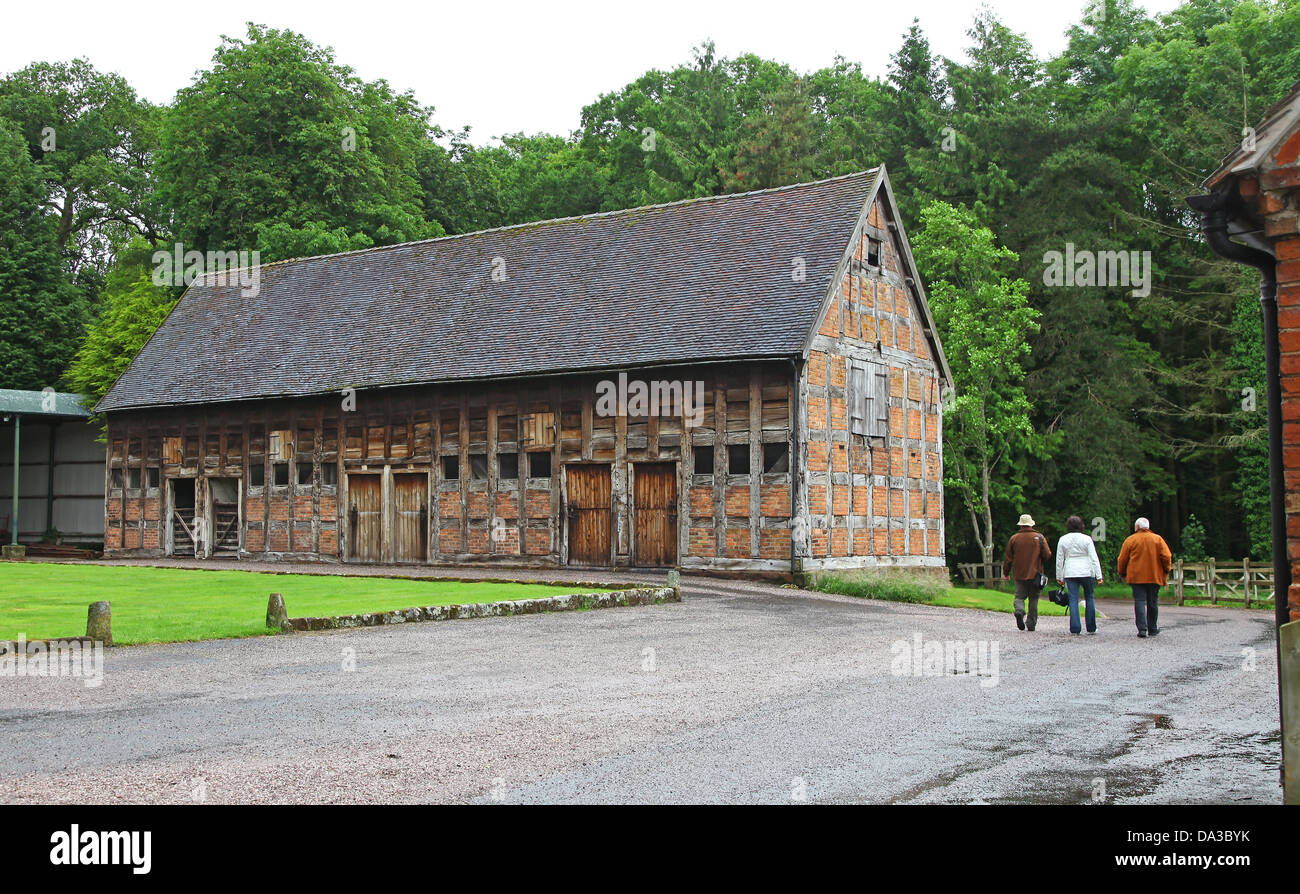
column 872, row 502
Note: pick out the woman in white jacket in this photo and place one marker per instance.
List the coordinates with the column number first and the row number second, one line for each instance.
column 1077, row 566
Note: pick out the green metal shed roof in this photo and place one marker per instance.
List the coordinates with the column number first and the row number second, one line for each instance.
column 43, row 403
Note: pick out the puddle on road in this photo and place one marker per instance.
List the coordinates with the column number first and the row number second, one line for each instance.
column 1159, row 721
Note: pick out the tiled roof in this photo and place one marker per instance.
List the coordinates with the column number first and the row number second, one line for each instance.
column 704, row 279
column 1279, row 122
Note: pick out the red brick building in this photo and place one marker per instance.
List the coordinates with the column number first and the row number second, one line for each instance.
column 1252, row 216
column 449, row 401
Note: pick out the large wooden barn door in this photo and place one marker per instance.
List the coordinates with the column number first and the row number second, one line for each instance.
column 410, row 524
column 589, row 512
column 654, row 502
column 365, row 517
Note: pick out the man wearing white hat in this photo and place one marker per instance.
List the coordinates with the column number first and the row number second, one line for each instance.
column 1144, row 563
column 1027, row 555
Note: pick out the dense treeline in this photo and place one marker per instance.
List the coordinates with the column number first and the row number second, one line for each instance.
column 1103, row 402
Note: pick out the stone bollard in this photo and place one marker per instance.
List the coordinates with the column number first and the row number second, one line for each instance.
column 99, row 622
column 675, row 581
column 275, row 612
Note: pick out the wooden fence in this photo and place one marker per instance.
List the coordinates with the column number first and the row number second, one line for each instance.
column 1248, row 583
column 982, row 575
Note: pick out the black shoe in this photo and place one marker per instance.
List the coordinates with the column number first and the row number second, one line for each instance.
column 1020, row 620
column 1153, row 633
column 1029, row 628
column 1142, row 634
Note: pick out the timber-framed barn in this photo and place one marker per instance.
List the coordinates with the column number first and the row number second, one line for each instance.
column 457, row 400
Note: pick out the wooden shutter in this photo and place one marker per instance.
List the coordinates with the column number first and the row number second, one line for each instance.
column 537, row 430
column 879, row 400
column 171, row 451
column 280, row 445
column 859, row 399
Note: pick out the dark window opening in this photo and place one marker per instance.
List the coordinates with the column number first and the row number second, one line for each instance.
column 703, row 460
column 257, row 474
column 304, row 473
column 738, row 459
column 776, row 458
column 329, row 474
column 153, row 479
column 280, row 474
column 539, row 465
column 508, row 465
column 478, row 466
column 133, row 479
column 873, row 252
column 451, row 468
column 116, row 478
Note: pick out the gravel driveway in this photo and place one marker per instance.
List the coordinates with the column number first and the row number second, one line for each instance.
column 745, row 692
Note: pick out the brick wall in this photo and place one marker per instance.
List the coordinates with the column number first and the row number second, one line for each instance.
column 1272, row 198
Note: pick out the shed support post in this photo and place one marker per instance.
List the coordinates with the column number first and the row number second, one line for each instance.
column 13, row 519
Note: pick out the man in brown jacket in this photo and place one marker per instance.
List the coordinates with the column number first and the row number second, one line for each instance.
column 1144, row 563
column 1027, row 555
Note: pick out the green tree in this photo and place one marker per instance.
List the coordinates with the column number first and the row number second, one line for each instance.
column 94, row 141
column 1249, row 440
column 280, row 148
column 41, row 313
column 526, row 178
column 984, row 323
column 675, row 135
column 133, row 309
column 776, row 142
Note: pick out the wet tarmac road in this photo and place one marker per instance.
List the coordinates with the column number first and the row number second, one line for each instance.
column 745, row 693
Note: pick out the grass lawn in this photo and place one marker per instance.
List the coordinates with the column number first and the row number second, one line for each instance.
column 898, row 588
column 179, row 604
column 993, row 600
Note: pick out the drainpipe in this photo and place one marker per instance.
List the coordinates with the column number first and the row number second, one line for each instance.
column 1214, row 208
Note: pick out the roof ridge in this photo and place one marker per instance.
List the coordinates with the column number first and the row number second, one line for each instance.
column 554, row 220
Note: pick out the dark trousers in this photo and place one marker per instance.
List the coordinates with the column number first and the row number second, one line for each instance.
column 1089, row 586
column 1146, row 607
column 1027, row 591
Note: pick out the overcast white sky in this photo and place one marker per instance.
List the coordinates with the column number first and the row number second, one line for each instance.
column 507, row 66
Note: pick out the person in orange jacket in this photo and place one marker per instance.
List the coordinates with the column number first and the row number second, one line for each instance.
column 1144, row 563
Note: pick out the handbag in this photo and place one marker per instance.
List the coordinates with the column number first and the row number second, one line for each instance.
column 1060, row 596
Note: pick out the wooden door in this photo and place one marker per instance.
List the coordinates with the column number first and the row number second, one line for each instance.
column 410, row 511
column 590, row 514
column 654, row 502
column 184, row 539
column 365, row 518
